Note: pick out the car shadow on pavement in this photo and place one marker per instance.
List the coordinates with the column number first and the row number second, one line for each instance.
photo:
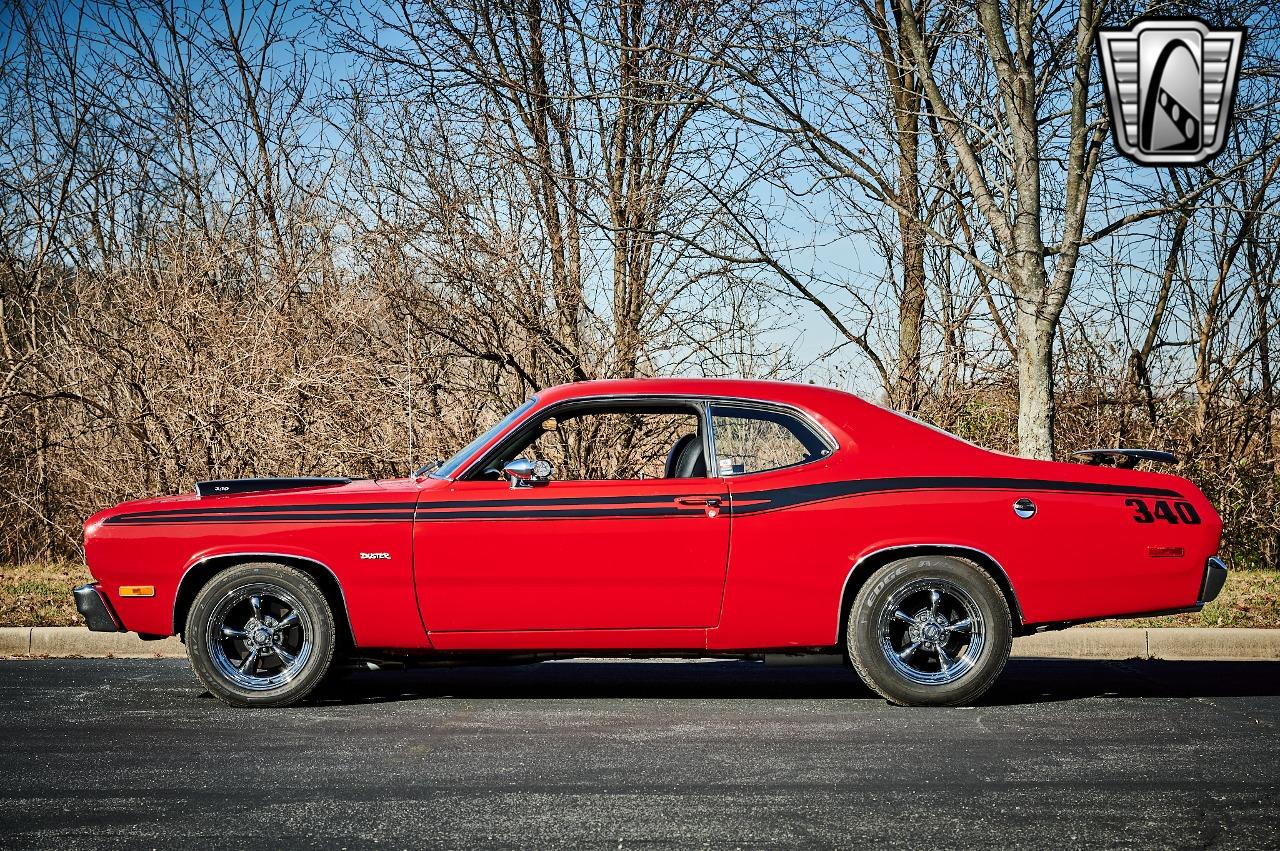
column 1042, row 680
column 1024, row 681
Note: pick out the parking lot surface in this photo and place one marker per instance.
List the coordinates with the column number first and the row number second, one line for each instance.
column 634, row 754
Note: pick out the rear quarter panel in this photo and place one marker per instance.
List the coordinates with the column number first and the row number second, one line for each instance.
column 1082, row 556
column 1085, row 556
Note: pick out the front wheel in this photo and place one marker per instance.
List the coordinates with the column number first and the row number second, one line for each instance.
column 260, row 635
column 929, row 631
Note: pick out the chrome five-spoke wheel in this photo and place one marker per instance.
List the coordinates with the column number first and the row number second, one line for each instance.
column 931, row 631
column 260, row 635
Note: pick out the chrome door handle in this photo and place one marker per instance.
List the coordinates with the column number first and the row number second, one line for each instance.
column 698, row 500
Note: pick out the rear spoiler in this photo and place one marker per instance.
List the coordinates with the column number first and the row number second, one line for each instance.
column 224, row 487
column 1126, row 459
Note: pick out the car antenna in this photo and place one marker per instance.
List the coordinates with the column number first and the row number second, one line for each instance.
column 408, row 385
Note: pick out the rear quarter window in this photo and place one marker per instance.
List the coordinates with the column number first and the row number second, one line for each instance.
column 750, row 440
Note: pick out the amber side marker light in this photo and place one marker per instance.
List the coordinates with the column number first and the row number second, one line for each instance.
column 1164, row 552
column 137, row 590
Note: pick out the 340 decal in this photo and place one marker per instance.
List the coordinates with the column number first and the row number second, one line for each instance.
column 1177, row 512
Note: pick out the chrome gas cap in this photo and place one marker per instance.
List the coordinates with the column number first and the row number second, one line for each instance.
column 1024, row 508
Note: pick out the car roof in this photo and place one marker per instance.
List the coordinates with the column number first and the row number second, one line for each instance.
column 736, row 388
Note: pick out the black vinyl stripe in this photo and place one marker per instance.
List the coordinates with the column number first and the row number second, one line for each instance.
column 523, row 507
column 268, row 509
column 356, row 516
column 806, row 494
column 383, row 506
column 563, row 513
column 251, row 513
column 564, row 501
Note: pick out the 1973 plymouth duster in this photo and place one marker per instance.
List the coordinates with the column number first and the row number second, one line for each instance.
column 659, row 517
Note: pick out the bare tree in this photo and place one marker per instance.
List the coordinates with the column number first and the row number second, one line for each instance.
column 225, row 251
column 590, row 122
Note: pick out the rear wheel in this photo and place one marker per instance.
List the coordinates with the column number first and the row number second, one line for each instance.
column 260, row 635
column 930, row 631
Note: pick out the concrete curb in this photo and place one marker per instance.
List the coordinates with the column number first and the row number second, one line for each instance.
column 1077, row 643
column 1173, row 643
column 1087, row 643
column 59, row 641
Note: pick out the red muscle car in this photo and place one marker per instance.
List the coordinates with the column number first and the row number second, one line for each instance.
column 659, row 516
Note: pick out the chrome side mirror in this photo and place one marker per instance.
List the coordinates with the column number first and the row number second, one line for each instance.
column 523, row 473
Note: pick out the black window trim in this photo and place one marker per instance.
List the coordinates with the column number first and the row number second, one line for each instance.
column 701, row 402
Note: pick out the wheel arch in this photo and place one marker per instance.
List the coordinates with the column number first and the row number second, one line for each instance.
column 198, row 574
column 868, row 564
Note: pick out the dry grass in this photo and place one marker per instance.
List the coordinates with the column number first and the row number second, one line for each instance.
column 39, row 593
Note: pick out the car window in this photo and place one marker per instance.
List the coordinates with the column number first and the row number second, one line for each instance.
column 751, row 441
column 616, row 444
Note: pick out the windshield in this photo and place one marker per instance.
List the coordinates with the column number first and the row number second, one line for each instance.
column 448, row 468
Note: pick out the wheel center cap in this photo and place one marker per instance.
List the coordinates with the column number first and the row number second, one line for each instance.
column 261, row 636
column 931, row 632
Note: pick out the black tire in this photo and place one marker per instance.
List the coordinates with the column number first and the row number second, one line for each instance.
column 949, row 664
column 286, row 620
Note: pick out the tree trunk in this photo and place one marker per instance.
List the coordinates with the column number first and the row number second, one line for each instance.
column 1013, row 209
column 1035, row 384
column 907, row 391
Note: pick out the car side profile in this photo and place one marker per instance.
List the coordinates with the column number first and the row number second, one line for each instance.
column 656, row 517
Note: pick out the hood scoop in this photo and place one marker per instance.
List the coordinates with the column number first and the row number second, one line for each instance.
column 1125, row 458
column 225, row 487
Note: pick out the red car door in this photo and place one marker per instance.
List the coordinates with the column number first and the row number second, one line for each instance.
column 572, row 555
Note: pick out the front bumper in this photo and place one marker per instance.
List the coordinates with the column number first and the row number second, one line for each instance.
column 1215, row 576
column 97, row 611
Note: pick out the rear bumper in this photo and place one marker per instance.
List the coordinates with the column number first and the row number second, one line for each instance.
column 97, row 611
column 1215, row 576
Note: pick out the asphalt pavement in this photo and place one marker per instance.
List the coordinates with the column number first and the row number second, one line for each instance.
column 631, row 755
